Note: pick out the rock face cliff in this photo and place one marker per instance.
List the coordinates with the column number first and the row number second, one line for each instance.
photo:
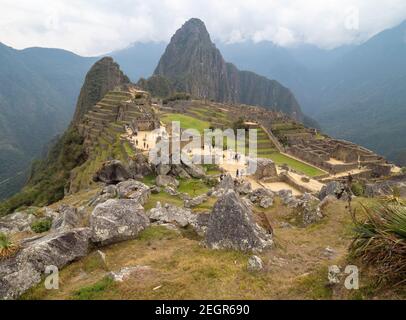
column 104, row 76
column 194, row 65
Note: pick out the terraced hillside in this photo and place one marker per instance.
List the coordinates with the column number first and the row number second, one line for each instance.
column 200, row 115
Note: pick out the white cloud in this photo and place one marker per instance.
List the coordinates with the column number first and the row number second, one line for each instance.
column 98, row 26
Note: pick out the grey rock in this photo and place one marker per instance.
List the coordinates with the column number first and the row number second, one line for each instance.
column 135, row 190
column 20, row 273
column 178, row 171
column 255, row 264
column 163, row 169
column 108, row 192
column 117, row 220
column 334, row 188
column 67, row 219
column 164, row 181
column 308, row 207
column 155, row 189
column 387, row 187
column 232, row 226
column 171, row 214
column 16, row 222
column 125, row 273
column 266, row 203
column 200, row 222
column 334, row 275
column 112, row 172
column 171, row 191
column 266, row 168
column 139, row 166
column 262, row 197
column 244, row 188
column 191, row 203
column 194, row 170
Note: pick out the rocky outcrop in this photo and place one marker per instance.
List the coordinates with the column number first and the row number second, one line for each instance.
column 19, row 273
column 171, row 214
column 395, row 185
column 336, row 189
column 164, row 181
column 265, row 169
column 231, row 226
column 135, row 190
column 17, row 222
column 108, row 192
column 195, row 171
column 112, row 172
column 139, row 166
column 262, row 197
column 68, row 218
column 117, row 220
column 104, row 76
column 255, row 264
column 193, row 64
column 194, row 202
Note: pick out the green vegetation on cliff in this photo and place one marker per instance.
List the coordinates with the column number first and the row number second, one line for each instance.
column 50, row 176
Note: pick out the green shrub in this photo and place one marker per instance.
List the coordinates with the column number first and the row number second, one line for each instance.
column 42, row 225
column 357, row 189
column 403, row 170
column 380, row 241
column 7, row 247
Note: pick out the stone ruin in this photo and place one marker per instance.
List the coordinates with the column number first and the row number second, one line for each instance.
column 121, row 108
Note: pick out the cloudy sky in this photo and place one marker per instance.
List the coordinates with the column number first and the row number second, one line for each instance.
column 94, row 27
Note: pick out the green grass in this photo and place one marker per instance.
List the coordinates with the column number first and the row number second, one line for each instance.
column 157, row 233
column 280, row 159
column 186, row 122
column 193, row 187
column 95, row 291
column 163, row 198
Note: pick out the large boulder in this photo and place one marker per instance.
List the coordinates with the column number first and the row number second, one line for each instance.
column 68, row 218
column 194, row 202
column 244, row 188
column 335, row 188
column 164, row 181
column 309, row 209
column 139, row 165
column 135, row 190
column 178, row 171
column 17, row 222
column 231, row 226
column 266, row 168
column 108, row 192
column 395, row 185
column 262, row 197
column 226, row 183
column 194, row 170
column 171, row 214
column 23, row 271
column 163, row 169
column 112, row 172
column 117, row 220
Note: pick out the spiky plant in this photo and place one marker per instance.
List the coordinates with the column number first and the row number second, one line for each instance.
column 380, row 241
column 7, row 247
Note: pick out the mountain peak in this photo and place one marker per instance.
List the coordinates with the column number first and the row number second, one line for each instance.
column 193, row 64
column 103, row 76
column 193, row 30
